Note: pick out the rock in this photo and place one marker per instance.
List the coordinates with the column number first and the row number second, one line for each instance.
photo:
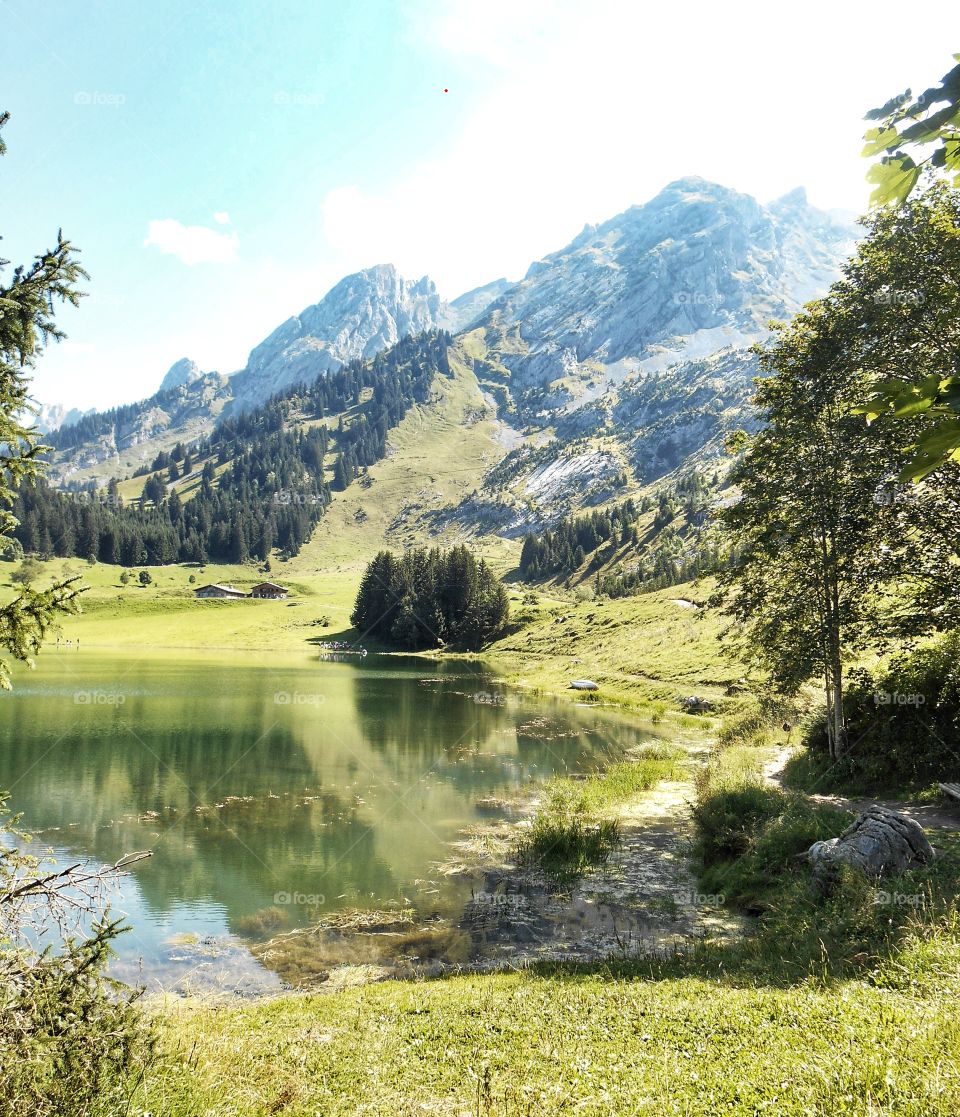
column 696, row 705
column 881, row 841
column 362, row 315
column 183, row 372
column 584, row 684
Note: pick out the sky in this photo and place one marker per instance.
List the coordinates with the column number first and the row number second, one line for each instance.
column 221, row 165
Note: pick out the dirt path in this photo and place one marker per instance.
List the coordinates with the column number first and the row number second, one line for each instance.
column 931, row 816
column 643, row 901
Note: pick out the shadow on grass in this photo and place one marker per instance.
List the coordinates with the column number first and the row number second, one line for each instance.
column 901, row 934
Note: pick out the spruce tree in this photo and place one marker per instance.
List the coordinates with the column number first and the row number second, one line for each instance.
column 26, row 325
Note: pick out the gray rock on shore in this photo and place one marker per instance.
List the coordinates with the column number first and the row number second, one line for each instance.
column 880, row 842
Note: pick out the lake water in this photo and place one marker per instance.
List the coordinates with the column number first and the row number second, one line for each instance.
column 299, row 784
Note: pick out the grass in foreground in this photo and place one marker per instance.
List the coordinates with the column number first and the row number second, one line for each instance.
column 562, row 1043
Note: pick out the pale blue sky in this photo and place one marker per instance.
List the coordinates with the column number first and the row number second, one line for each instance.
column 222, row 164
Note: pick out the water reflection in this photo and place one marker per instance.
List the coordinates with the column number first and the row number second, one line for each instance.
column 338, row 782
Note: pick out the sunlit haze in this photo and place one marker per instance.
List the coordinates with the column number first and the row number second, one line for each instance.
column 221, row 170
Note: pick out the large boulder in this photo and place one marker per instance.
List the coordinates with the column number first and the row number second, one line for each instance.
column 880, row 842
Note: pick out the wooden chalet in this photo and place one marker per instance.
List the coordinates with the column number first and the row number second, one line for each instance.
column 218, row 590
column 269, row 589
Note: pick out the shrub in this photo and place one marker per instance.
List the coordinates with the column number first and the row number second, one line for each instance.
column 903, row 721
column 727, row 818
column 72, row 1042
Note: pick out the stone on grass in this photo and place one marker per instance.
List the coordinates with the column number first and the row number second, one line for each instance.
column 880, row 842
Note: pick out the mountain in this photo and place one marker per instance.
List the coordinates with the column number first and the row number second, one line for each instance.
column 697, row 269
column 49, row 417
column 464, row 310
column 104, row 444
column 616, row 361
column 363, row 315
column 182, row 372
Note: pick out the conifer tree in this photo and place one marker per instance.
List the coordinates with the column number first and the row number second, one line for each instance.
column 27, row 323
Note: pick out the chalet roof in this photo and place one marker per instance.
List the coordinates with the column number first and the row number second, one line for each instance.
column 220, row 586
column 269, row 586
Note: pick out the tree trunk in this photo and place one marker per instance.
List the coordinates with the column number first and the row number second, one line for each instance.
column 828, row 702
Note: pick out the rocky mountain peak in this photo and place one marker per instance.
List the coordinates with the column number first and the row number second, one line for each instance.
column 181, row 372
column 697, row 268
column 361, row 315
column 795, row 197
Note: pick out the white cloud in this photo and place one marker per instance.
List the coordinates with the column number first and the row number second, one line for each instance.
column 581, row 110
column 193, row 244
column 222, row 217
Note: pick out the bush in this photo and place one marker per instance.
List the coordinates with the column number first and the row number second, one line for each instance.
column 903, row 721
column 73, row 1043
column 728, row 818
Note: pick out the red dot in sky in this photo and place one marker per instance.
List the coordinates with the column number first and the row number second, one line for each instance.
column 446, row 91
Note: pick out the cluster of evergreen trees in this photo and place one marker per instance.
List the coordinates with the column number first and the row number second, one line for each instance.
column 666, row 568
column 564, row 548
column 101, row 423
column 426, row 598
column 271, row 493
column 664, row 558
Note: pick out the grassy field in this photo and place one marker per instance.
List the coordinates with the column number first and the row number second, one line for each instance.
column 827, row 1011
column 645, row 652
column 833, row 1006
column 587, row 1043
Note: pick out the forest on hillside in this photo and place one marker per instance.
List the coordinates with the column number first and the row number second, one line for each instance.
column 262, row 485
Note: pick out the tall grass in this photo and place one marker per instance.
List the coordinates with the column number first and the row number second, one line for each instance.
column 574, row 828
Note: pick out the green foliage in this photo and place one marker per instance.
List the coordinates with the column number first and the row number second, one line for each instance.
column 429, row 597
column 748, row 857
column 72, row 1042
column 728, row 817
column 929, row 123
column 26, row 324
column 823, row 539
column 555, row 551
column 145, row 577
column 573, row 829
column 907, row 299
column 809, row 542
column 904, row 720
column 566, row 838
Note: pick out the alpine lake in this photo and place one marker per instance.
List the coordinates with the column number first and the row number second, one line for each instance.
column 276, row 792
